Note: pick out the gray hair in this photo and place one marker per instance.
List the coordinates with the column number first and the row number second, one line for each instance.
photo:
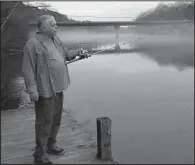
column 42, row 19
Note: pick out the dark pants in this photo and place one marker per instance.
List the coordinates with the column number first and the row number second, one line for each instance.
column 48, row 118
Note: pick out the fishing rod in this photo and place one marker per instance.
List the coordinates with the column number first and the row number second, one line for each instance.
column 85, row 54
column 95, row 53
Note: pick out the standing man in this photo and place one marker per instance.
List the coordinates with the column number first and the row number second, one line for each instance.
column 46, row 77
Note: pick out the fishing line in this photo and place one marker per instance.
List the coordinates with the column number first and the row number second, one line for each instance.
column 124, row 43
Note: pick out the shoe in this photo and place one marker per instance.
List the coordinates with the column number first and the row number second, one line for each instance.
column 44, row 159
column 56, row 151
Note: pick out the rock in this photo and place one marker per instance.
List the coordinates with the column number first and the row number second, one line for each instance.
column 17, row 91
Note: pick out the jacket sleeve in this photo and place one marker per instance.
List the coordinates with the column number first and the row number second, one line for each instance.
column 70, row 54
column 29, row 67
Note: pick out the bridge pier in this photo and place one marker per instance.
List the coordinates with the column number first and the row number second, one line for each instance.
column 117, row 37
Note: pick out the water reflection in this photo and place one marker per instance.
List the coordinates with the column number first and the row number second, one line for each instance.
column 178, row 56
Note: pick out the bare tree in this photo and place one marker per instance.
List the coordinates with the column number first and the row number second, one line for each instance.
column 41, row 5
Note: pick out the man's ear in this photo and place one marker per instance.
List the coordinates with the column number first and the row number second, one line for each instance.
column 44, row 28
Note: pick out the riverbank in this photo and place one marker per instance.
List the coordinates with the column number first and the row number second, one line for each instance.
column 17, row 139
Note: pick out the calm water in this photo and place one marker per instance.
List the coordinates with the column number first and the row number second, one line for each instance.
column 151, row 106
column 148, row 96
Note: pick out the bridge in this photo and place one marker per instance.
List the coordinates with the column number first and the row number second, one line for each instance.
column 117, row 24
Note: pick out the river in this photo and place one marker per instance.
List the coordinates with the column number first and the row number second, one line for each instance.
column 151, row 105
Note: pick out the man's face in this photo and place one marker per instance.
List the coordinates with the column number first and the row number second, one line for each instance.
column 50, row 26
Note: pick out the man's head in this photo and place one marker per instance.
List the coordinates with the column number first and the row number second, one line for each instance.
column 47, row 24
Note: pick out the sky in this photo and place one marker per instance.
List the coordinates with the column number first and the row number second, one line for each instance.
column 94, row 11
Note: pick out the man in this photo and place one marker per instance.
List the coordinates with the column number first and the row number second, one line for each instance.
column 46, row 77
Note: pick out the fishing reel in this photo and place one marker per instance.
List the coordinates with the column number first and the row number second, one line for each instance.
column 83, row 54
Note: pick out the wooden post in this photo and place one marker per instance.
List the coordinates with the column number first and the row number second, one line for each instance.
column 104, row 138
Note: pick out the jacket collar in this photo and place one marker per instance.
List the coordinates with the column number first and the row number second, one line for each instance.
column 42, row 37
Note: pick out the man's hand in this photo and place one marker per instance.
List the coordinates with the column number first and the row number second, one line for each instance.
column 83, row 53
column 34, row 96
column 72, row 54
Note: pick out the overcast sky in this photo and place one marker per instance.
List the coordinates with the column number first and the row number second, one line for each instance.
column 76, row 10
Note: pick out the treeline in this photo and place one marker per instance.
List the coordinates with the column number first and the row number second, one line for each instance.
column 163, row 12
column 169, row 44
column 13, row 38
